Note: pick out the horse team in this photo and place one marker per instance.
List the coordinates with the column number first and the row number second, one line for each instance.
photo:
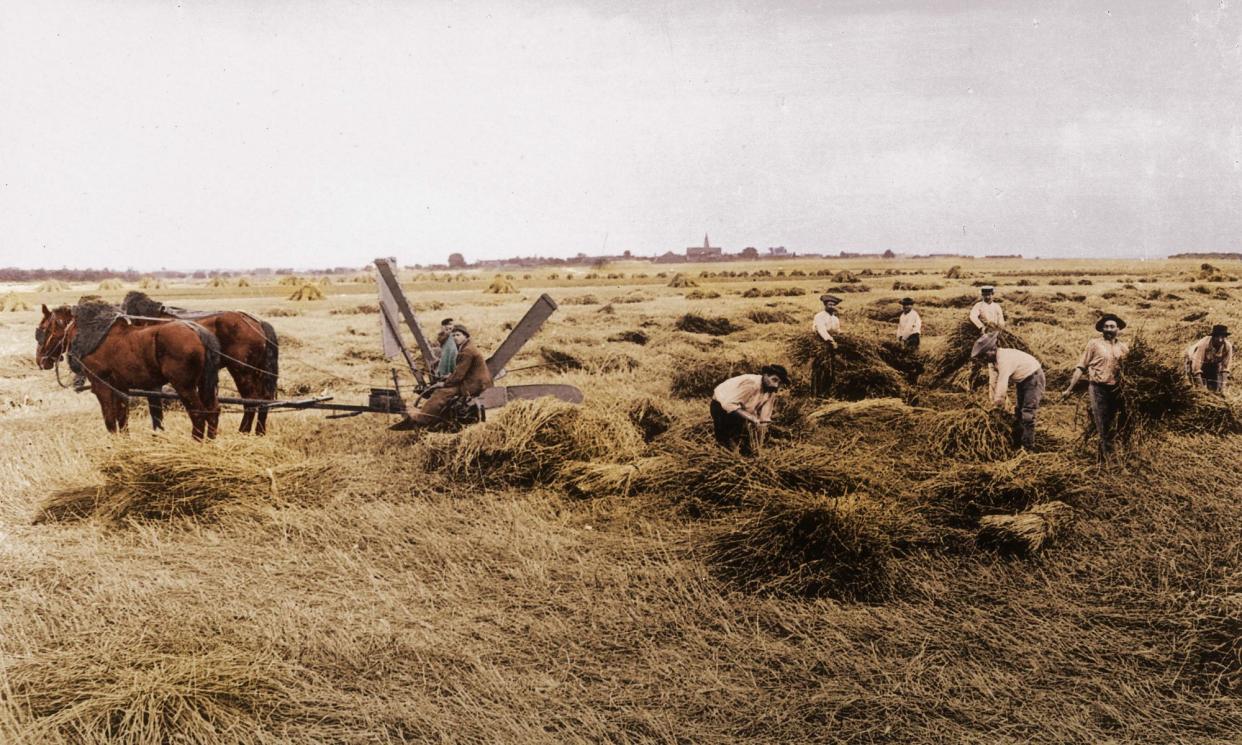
column 143, row 345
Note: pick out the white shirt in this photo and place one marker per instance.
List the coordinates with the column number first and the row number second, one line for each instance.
column 987, row 313
column 746, row 392
column 1202, row 352
column 909, row 323
column 825, row 323
column 1011, row 364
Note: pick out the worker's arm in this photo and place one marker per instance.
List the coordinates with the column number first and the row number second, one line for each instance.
column 974, row 317
column 1078, row 371
column 918, row 323
column 1000, row 382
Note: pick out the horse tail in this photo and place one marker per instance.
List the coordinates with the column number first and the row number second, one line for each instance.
column 271, row 364
column 209, row 382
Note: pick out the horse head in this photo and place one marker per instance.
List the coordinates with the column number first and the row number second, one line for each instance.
column 53, row 335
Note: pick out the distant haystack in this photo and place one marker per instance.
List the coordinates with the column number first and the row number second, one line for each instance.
column 151, row 283
column 12, row 303
column 52, row 285
column 324, row 281
column 243, row 282
column 292, row 281
column 218, row 282
column 111, row 284
column 501, row 286
column 954, row 272
column 680, row 280
column 307, row 292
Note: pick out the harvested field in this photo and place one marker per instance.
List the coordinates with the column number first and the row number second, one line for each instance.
column 560, row 573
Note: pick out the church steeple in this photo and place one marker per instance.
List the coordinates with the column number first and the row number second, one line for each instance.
column 706, row 244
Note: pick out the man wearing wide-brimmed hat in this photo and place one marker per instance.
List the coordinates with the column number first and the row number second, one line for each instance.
column 470, row 377
column 1025, row 371
column 909, row 324
column 742, row 407
column 1101, row 362
column 826, row 322
column 1208, row 359
column 986, row 314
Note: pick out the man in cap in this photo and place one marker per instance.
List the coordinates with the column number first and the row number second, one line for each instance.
column 987, row 314
column 909, row 324
column 469, row 378
column 1208, row 359
column 826, row 322
column 743, row 404
column 1024, row 370
column 448, row 349
column 1101, row 361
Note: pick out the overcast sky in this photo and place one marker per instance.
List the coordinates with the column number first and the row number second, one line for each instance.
column 243, row 133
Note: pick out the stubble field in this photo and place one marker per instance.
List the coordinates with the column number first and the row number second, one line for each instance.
column 607, row 573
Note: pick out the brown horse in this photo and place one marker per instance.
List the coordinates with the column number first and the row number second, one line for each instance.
column 249, row 349
column 117, row 356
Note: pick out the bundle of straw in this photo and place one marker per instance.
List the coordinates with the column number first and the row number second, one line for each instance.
column 560, row 360
column 853, row 370
column 528, row 441
column 501, row 286
column 307, row 292
column 156, row 687
column 801, row 544
column 698, row 378
column 1026, row 532
column 706, row 478
column 696, row 324
column 633, row 337
column 681, row 280
column 165, row 477
column 110, row 284
column 970, row 433
column 961, row 494
column 760, row 315
column 650, row 416
column 957, row 348
column 11, row 303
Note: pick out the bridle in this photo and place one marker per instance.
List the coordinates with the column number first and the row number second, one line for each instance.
column 61, row 344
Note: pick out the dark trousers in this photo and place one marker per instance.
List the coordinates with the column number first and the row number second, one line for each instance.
column 1211, row 375
column 912, row 341
column 729, row 427
column 1105, row 406
column 1030, row 393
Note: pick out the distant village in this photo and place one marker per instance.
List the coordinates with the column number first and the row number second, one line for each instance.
column 691, row 254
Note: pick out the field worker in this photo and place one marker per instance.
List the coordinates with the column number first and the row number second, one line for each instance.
column 1101, row 361
column 1028, row 376
column 448, row 349
column 909, row 324
column 826, row 322
column 1208, row 359
column 743, row 404
column 469, row 378
column 987, row 314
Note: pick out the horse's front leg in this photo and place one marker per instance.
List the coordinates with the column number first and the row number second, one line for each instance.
column 121, row 406
column 156, row 405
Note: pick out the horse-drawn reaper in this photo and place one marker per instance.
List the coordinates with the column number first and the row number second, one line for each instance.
column 247, row 348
